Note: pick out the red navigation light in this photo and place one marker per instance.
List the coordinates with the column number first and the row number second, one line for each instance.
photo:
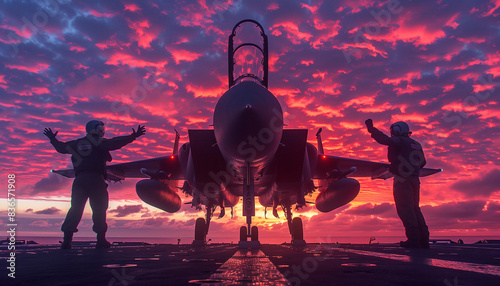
column 324, row 156
column 172, row 157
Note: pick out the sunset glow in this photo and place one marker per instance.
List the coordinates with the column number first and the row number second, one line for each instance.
column 333, row 64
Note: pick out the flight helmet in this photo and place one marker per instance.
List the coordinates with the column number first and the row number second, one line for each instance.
column 400, row 128
column 95, row 127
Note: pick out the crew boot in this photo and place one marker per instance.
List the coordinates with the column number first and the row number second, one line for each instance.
column 102, row 242
column 409, row 244
column 68, row 238
column 424, row 243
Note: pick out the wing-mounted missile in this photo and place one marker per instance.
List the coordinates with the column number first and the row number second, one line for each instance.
column 340, row 191
column 156, row 192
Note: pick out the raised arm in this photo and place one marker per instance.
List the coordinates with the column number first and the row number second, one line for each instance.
column 378, row 135
column 61, row 147
column 116, row 143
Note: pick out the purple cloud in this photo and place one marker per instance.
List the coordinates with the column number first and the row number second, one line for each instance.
column 48, row 211
column 483, row 186
column 122, row 211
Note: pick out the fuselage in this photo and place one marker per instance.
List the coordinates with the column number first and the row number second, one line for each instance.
column 248, row 125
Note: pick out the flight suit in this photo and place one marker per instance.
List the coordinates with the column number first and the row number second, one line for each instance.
column 89, row 157
column 407, row 158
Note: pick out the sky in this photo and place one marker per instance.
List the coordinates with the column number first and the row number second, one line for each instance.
column 332, row 65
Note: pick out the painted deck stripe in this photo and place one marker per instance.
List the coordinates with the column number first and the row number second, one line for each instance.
column 457, row 265
column 249, row 267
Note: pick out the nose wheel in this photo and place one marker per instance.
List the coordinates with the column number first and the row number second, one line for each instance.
column 249, row 211
column 243, row 233
column 255, row 233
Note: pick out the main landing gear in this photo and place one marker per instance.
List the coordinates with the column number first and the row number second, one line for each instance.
column 200, row 232
column 294, row 226
column 202, row 225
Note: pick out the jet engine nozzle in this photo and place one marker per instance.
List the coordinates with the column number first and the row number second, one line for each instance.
column 337, row 194
column 158, row 195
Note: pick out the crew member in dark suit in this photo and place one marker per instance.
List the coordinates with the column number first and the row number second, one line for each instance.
column 407, row 158
column 89, row 155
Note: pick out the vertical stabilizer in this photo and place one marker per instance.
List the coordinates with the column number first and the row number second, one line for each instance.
column 176, row 143
column 320, row 143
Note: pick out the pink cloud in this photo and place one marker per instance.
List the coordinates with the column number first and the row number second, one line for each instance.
column 356, row 5
column 330, row 29
column 405, row 30
column 496, row 4
column 36, row 68
column 113, row 42
column 100, row 14
column 183, row 55
column 131, row 7
column 327, row 111
column 273, row 6
column 193, row 120
column 413, row 117
column 77, row 48
column 201, row 91
column 292, row 32
column 24, row 32
column 144, row 35
column 362, row 100
column 311, row 8
column 119, row 58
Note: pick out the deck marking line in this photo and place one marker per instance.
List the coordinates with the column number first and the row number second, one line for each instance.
column 457, row 265
column 249, row 267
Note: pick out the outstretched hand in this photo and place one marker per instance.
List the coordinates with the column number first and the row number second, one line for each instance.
column 141, row 130
column 369, row 125
column 48, row 132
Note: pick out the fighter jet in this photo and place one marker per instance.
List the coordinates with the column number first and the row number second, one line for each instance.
column 248, row 154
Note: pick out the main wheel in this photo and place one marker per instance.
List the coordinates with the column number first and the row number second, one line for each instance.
column 297, row 229
column 255, row 233
column 200, row 229
column 243, row 233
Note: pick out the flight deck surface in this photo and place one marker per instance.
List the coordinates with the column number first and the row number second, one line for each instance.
column 226, row 264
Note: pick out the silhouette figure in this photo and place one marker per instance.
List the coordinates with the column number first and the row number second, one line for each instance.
column 407, row 158
column 89, row 155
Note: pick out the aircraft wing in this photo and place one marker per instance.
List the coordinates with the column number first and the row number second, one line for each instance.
column 374, row 170
column 168, row 164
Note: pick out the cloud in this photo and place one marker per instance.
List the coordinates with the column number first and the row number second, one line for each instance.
column 48, row 211
column 482, row 186
column 40, row 223
column 122, row 211
column 371, row 209
column 454, row 210
column 155, row 222
column 50, row 184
